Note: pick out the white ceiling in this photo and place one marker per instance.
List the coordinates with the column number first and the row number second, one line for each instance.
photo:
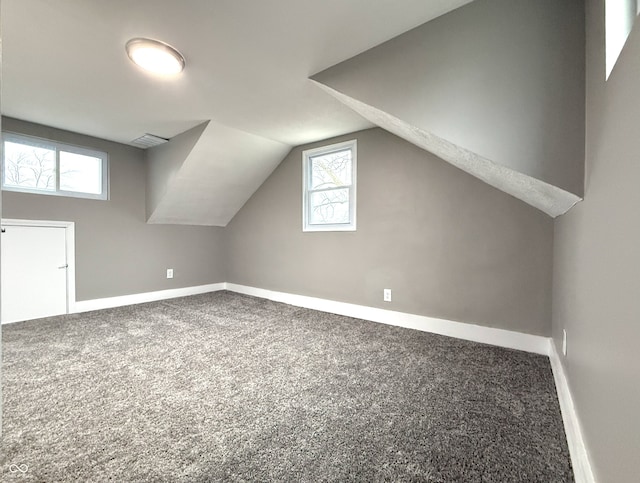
column 248, row 63
column 213, row 179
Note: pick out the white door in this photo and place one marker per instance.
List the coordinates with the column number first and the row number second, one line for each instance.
column 34, row 274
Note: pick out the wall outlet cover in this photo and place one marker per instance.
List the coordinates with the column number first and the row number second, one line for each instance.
column 386, row 295
column 169, row 272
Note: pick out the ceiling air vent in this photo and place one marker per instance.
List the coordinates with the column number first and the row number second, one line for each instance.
column 148, row 141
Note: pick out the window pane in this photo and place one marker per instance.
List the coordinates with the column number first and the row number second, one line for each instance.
column 619, row 18
column 28, row 166
column 331, row 170
column 329, row 207
column 80, row 173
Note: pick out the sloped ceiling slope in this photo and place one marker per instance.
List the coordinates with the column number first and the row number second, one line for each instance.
column 205, row 175
column 495, row 87
column 247, row 69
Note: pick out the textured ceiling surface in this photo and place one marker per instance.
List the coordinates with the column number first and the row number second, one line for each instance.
column 222, row 157
column 248, row 63
column 548, row 198
column 247, row 79
column 495, row 88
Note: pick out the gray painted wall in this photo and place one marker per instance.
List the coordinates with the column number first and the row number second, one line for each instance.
column 596, row 293
column 117, row 253
column 447, row 244
column 500, row 78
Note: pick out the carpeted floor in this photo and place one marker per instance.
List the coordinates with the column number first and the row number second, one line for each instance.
column 225, row 387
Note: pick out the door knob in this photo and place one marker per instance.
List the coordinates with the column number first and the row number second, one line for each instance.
column 64, row 266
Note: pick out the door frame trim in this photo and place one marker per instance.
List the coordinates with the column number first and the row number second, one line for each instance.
column 70, row 247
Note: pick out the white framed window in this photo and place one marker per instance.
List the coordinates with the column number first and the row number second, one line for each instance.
column 35, row 165
column 329, row 187
column 619, row 17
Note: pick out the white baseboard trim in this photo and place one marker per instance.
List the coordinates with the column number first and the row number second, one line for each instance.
column 487, row 335
column 476, row 333
column 582, row 471
column 140, row 298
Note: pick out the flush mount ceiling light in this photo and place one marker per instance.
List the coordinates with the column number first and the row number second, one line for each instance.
column 155, row 56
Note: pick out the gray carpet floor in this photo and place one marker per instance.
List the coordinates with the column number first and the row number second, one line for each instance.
column 225, row 387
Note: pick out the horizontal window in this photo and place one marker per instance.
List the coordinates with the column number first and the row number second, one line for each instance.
column 35, row 165
column 329, row 189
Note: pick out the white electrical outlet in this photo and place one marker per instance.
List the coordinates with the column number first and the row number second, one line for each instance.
column 564, row 342
column 169, row 272
column 386, row 295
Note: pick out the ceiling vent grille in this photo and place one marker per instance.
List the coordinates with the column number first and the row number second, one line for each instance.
column 148, row 141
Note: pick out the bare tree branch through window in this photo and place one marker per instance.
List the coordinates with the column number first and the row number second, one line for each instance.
column 329, row 187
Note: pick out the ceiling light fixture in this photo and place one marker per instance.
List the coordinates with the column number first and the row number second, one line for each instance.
column 155, row 56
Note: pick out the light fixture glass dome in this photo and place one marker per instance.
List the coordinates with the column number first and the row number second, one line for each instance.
column 155, row 56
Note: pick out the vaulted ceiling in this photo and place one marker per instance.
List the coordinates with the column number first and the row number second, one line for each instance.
column 496, row 88
column 246, row 96
column 248, row 64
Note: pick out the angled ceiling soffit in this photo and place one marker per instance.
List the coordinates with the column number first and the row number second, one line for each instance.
column 220, row 172
column 550, row 199
column 494, row 88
